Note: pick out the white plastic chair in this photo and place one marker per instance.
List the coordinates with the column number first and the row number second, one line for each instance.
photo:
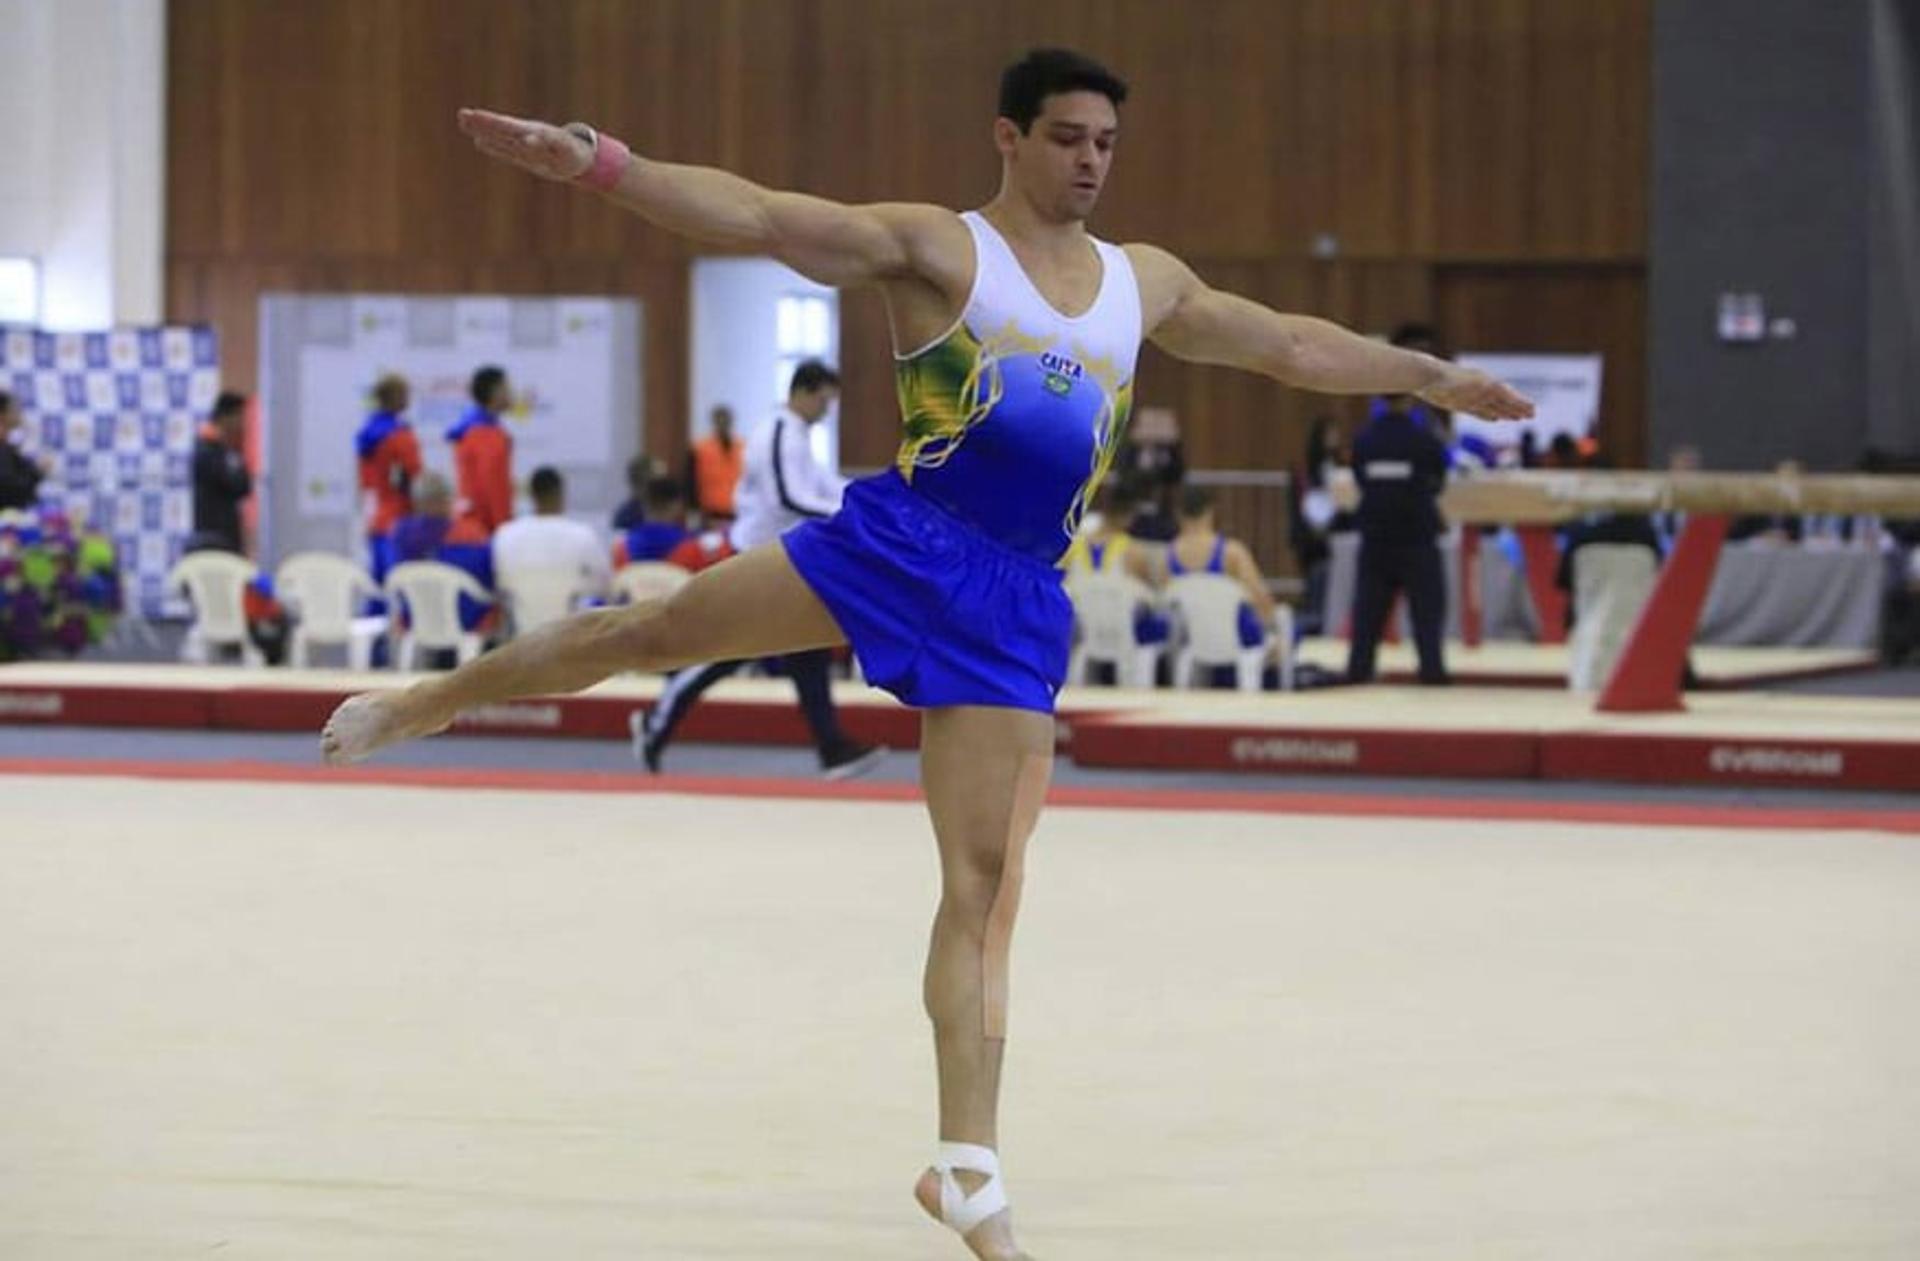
column 535, row 597
column 216, row 583
column 648, row 580
column 325, row 591
column 1104, row 606
column 432, row 592
column 1209, row 613
column 1285, row 638
column 1611, row 584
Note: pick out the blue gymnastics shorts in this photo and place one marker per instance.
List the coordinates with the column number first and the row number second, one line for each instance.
column 938, row 612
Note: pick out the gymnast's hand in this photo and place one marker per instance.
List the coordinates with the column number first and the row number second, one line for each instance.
column 552, row 153
column 1477, row 394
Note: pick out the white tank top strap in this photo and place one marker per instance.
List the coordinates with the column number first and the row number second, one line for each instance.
column 1120, row 286
column 998, row 279
column 989, row 247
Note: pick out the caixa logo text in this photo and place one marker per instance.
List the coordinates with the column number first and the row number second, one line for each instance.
column 1759, row 760
column 1294, row 751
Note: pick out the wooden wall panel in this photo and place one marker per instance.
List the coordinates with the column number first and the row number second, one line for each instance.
column 311, row 145
column 1575, row 310
column 1588, row 141
column 1483, row 171
column 1233, row 420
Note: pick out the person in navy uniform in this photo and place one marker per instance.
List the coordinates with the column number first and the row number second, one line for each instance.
column 1400, row 464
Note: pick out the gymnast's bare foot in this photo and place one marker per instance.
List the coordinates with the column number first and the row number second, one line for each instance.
column 992, row 1239
column 374, row 720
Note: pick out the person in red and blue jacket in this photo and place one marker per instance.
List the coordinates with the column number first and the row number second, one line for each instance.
column 483, row 453
column 389, row 453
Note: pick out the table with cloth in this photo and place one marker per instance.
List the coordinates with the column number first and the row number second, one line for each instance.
column 1763, row 594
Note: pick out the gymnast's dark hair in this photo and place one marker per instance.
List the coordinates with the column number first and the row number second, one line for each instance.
column 1044, row 72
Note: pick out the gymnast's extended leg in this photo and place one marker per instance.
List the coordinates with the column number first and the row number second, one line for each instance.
column 752, row 605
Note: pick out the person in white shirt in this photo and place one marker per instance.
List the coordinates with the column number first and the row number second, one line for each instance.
column 549, row 542
column 781, row 485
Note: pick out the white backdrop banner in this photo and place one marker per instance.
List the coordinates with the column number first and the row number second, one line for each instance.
column 1565, row 390
column 573, row 364
column 558, row 356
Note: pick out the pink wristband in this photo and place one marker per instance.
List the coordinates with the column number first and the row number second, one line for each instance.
column 610, row 162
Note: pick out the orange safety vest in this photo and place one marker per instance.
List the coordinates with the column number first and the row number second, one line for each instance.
column 716, row 471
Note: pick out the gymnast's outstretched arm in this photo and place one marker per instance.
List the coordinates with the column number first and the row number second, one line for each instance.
column 1191, row 320
column 827, row 241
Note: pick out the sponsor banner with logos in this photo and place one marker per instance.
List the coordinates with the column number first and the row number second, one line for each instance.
column 113, row 416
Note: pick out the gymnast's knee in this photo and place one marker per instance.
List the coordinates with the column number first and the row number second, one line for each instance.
column 978, row 882
column 647, row 634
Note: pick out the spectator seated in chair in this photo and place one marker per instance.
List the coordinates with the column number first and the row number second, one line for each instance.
column 431, row 533
column 1105, row 544
column 1199, row 547
column 548, row 539
column 1631, row 529
column 663, row 529
column 633, row 509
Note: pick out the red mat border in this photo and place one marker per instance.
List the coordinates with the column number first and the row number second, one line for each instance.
column 1792, row 762
column 1725, row 760
column 305, row 709
column 718, row 720
column 1466, row 674
column 40, row 703
column 1094, row 738
column 1331, row 750
column 1351, row 805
